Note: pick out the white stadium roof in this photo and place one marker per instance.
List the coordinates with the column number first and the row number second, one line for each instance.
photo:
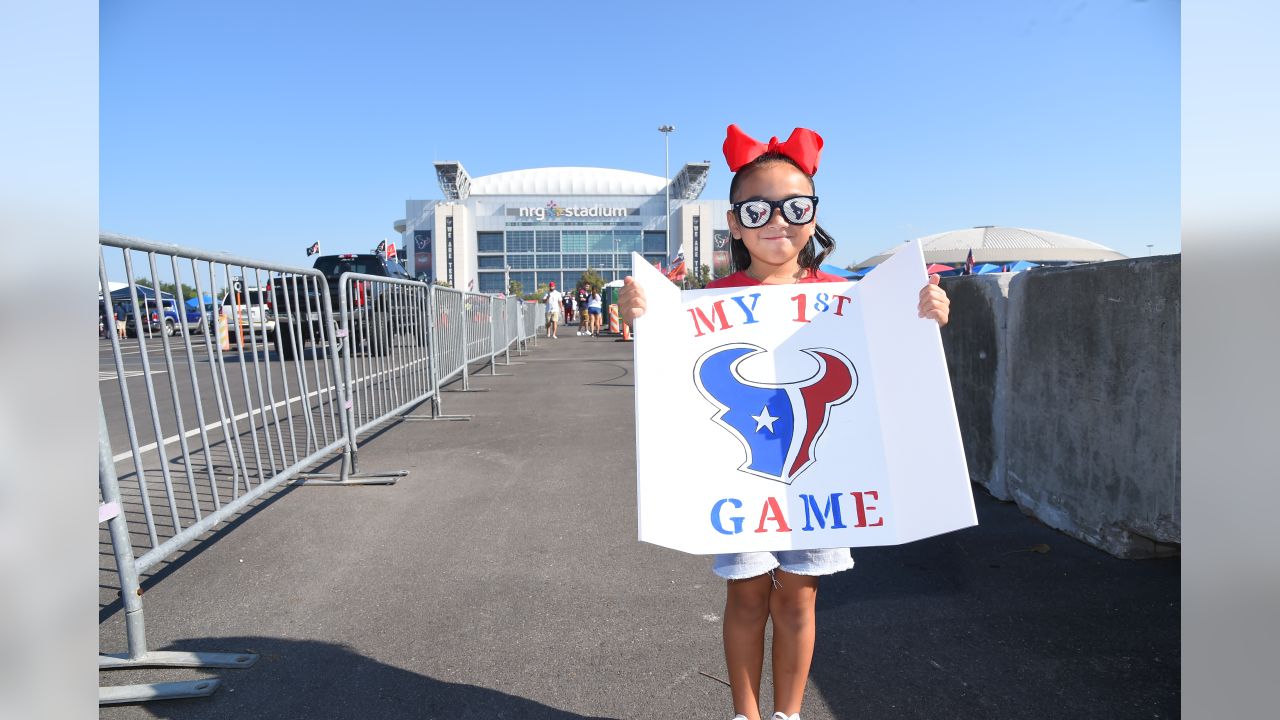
column 568, row 181
column 996, row 244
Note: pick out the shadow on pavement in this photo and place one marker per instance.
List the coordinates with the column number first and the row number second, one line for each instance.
column 1010, row 619
column 320, row 681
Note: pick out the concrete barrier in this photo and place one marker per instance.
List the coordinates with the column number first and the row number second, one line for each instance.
column 1066, row 383
column 974, row 342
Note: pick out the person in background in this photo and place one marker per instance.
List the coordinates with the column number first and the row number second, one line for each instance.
column 593, row 312
column 580, row 297
column 552, row 301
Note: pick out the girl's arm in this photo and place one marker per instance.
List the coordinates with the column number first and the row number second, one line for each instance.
column 934, row 303
column 631, row 303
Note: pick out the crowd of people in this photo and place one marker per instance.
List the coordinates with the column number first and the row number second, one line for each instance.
column 583, row 305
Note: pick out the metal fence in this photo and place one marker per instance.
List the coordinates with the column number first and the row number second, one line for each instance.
column 263, row 376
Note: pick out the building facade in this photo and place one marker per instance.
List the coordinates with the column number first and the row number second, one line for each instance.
column 552, row 224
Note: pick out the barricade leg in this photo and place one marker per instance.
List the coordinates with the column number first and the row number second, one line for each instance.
column 437, row 412
column 131, row 593
column 117, row 694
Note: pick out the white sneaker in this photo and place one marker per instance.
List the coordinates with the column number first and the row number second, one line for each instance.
column 780, row 716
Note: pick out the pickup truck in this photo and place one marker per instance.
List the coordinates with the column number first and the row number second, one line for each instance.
column 248, row 311
column 299, row 305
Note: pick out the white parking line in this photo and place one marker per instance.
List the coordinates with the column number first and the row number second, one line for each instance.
column 103, row 375
column 192, row 433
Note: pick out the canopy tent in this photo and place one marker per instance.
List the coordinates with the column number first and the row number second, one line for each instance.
column 1022, row 265
column 836, row 270
column 144, row 292
column 939, row 269
column 986, row 268
column 195, row 302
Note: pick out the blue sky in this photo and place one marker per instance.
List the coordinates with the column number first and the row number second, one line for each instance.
column 257, row 128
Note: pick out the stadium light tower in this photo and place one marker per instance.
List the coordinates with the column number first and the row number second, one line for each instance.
column 666, row 131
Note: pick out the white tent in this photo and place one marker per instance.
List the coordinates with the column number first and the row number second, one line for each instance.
column 1001, row 245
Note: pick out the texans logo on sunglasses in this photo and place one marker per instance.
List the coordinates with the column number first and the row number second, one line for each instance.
column 796, row 210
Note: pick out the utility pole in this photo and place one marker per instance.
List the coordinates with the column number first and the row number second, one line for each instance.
column 666, row 131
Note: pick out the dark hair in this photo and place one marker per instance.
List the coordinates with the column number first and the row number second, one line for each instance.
column 810, row 258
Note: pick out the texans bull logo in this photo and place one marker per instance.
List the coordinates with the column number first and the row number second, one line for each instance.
column 778, row 424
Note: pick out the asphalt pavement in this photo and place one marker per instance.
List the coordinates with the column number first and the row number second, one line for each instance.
column 502, row 579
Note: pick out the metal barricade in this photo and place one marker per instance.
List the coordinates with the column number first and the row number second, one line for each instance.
column 479, row 332
column 514, row 339
column 229, row 377
column 529, row 313
column 390, row 361
column 450, row 334
column 227, row 420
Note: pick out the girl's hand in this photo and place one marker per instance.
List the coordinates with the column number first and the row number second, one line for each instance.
column 631, row 302
column 934, row 303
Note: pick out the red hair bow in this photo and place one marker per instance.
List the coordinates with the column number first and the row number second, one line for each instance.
column 804, row 146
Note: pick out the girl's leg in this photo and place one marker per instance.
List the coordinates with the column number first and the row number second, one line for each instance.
column 746, row 608
column 792, row 607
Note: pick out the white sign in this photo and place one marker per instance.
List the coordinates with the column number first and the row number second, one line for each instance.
column 552, row 211
column 795, row 416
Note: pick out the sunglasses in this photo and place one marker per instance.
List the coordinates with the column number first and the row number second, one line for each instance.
column 796, row 210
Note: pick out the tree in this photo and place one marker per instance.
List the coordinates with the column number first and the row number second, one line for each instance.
column 187, row 292
column 593, row 278
column 724, row 270
column 698, row 280
column 516, row 288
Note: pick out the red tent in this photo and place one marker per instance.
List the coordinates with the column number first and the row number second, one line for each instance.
column 940, row 269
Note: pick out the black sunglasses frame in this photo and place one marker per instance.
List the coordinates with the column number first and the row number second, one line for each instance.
column 774, row 206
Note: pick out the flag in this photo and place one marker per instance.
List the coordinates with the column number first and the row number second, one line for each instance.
column 968, row 263
column 658, row 264
column 382, row 248
column 677, row 271
column 391, row 251
column 314, row 249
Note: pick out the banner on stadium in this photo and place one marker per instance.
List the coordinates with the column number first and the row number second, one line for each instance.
column 780, row 417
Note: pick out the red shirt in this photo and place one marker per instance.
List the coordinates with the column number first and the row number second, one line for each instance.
column 742, row 279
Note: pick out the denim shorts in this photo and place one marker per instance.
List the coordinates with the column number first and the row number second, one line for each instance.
column 740, row 566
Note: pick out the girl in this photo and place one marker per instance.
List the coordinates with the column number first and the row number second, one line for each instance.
column 775, row 240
